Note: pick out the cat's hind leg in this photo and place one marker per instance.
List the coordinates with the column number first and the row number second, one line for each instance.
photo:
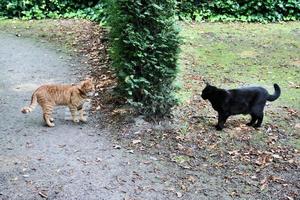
column 258, row 111
column 260, row 118
column 73, row 110
column 47, row 114
column 253, row 120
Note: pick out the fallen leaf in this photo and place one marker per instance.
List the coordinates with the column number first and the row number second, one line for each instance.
column 29, row 145
column 234, row 194
column 276, row 156
column 291, row 161
column 263, row 160
column 43, row 194
column 117, row 146
column 276, row 179
column 180, row 147
column 264, row 183
column 179, row 194
column 189, row 152
column 234, row 153
column 192, row 179
column 136, row 141
column 289, row 198
column 130, row 151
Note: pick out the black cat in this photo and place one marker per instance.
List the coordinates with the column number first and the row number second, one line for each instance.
column 249, row 100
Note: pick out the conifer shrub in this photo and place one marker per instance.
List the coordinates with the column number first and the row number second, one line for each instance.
column 144, row 51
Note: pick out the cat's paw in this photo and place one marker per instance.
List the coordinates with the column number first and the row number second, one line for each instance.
column 76, row 120
column 51, row 120
column 83, row 119
column 257, row 125
column 51, row 124
column 219, row 128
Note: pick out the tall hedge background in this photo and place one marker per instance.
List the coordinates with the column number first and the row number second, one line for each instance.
column 41, row 9
column 240, row 10
column 211, row 10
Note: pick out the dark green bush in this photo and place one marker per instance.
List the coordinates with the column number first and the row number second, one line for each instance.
column 40, row 9
column 239, row 10
column 210, row 10
column 144, row 50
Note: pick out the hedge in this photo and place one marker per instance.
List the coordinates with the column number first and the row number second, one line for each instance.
column 239, row 10
column 144, row 51
column 209, row 10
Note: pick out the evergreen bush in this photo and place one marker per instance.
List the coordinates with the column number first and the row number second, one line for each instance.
column 144, row 51
column 209, row 10
column 239, row 10
column 41, row 9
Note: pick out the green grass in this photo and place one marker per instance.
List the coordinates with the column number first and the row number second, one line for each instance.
column 296, row 143
column 32, row 27
column 239, row 54
column 60, row 32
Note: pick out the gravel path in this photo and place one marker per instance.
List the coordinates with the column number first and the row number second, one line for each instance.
column 71, row 161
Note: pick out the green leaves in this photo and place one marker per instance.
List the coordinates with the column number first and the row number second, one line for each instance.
column 157, row 6
column 213, row 10
column 238, row 10
column 145, row 53
column 31, row 9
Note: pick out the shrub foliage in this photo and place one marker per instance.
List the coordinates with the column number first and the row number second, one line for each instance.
column 210, row 10
column 40, row 9
column 144, row 50
column 239, row 10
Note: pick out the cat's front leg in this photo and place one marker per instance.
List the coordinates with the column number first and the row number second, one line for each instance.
column 81, row 113
column 253, row 120
column 221, row 121
column 73, row 110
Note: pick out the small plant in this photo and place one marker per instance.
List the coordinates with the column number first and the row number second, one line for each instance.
column 184, row 129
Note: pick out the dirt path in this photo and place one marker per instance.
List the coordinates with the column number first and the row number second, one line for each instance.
column 72, row 161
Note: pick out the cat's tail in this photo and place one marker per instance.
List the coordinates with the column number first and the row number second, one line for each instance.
column 32, row 105
column 277, row 93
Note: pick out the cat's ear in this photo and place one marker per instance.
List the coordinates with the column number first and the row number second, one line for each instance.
column 88, row 78
column 206, row 83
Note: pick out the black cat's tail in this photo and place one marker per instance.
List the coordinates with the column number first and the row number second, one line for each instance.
column 277, row 93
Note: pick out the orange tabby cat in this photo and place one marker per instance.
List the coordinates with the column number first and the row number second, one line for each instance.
column 72, row 96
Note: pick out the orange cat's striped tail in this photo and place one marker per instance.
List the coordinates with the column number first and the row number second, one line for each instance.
column 32, row 105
